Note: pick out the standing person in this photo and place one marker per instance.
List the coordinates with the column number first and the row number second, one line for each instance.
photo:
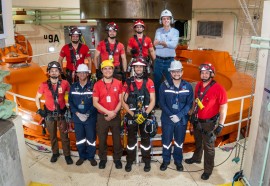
column 138, row 99
column 75, row 54
column 84, row 115
column 140, row 45
column 210, row 114
column 166, row 40
column 107, row 99
column 111, row 49
column 54, row 90
column 177, row 99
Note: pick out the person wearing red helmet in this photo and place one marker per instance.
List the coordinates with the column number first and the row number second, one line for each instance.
column 111, row 49
column 139, row 44
column 208, row 117
column 54, row 90
column 138, row 99
column 75, row 53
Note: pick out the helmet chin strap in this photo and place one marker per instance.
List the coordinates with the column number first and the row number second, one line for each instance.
column 112, row 37
column 206, row 80
column 139, row 76
column 54, row 77
column 139, row 32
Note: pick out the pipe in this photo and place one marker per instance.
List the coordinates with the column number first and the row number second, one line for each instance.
column 260, row 38
column 46, row 21
column 265, row 158
column 235, row 23
column 38, row 13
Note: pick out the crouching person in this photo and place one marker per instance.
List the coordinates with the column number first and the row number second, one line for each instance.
column 84, row 115
column 55, row 107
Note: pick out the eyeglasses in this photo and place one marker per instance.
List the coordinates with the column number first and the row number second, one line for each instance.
column 176, row 71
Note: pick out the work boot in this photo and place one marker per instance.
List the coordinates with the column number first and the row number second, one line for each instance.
column 179, row 166
column 54, row 157
column 147, row 167
column 205, row 176
column 79, row 162
column 68, row 159
column 128, row 166
column 118, row 164
column 93, row 162
column 163, row 166
column 191, row 161
column 102, row 164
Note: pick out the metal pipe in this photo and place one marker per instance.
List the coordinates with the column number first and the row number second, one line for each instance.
column 265, row 158
column 235, row 23
column 33, row 13
column 46, row 21
column 260, row 38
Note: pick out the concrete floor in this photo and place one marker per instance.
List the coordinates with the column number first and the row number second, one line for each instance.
column 61, row 174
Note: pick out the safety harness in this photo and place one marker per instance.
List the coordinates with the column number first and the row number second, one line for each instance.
column 74, row 52
column 140, row 44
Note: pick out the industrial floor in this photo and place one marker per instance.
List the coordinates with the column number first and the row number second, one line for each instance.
column 42, row 171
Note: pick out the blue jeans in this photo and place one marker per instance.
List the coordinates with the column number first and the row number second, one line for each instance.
column 178, row 132
column 160, row 70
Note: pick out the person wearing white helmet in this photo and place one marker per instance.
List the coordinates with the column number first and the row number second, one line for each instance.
column 139, row 44
column 208, row 117
column 75, row 53
column 84, row 115
column 177, row 99
column 166, row 40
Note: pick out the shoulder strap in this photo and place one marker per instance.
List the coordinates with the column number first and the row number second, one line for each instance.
column 140, row 44
column 54, row 93
column 206, row 89
column 72, row 53
column 108, row 49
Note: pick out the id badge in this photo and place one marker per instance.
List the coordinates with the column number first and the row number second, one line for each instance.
column 111, row 57
column 77, row 56
column 60, row 90
column 108, row 99
column 175, row 106
column 81, row 106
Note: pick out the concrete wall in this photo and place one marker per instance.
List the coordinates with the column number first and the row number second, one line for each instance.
column 10, row 162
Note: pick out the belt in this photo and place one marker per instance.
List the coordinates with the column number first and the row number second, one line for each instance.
column 213, row 119
column 164, row 58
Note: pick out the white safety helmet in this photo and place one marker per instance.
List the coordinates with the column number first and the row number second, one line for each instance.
column 166, row 13
column 175, row 65
column 82, row 68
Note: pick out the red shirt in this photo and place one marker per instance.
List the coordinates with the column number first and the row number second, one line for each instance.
column 104, row 90
column 49, row 100
column 105, row 55
column 132, row 43
column 149, row 86
column 214, row 97
column 80, row 56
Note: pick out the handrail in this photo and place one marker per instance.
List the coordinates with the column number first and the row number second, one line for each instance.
column 242, row 98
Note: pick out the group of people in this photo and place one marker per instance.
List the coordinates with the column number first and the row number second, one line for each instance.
column 95, row 107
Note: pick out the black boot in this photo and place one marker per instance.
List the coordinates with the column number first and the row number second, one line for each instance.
column 68, row 159
column 54, row 157
column 147, row 167
column 191, row 161
column 128, row 166
column 163, row 166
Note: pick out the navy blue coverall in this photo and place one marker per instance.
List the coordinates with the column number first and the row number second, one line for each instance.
column 174, row 101
column 80, row 100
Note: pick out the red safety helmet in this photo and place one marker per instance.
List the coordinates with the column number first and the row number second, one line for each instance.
column 75, row 31
column 112, row 26
column 139, row 22
column 207, row 66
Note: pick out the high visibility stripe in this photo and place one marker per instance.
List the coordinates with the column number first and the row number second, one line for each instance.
column 92, row 144
column 132, row 148
column 179, row 146
column 167, row 147
column 177, row 92
column 81, row 142
column 81, row 93
column 145, row 148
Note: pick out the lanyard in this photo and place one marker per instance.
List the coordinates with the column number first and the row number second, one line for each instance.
column 107, row 87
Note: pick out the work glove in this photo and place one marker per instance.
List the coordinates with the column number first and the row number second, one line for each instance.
column 82, row 117
column 42, row 113
column 175, row 118
column 218, row 130
column 134, row 51
column 140, row 118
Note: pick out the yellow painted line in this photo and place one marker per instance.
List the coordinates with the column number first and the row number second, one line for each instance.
column 38, row 184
